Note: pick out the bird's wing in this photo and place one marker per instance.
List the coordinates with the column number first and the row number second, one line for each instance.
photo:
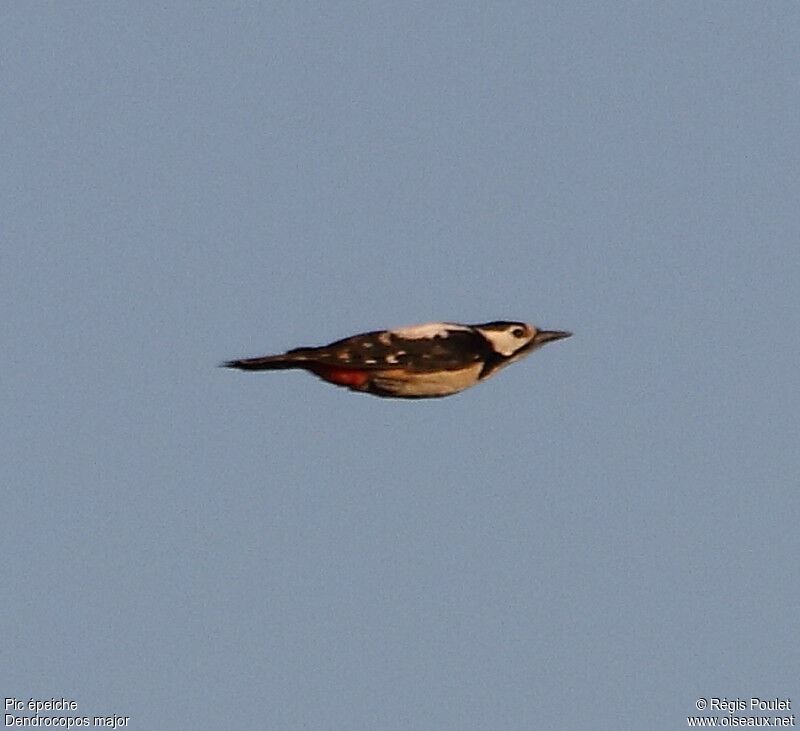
column 447, row 350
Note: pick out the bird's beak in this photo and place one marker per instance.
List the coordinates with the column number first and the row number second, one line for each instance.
column 545, row 336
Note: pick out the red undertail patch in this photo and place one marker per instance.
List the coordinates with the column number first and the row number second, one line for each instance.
column 349, row 377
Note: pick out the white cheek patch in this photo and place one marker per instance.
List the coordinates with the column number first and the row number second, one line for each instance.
column 504, row 342
column 428, row 330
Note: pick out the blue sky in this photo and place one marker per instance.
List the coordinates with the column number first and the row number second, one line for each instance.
column 595, row 538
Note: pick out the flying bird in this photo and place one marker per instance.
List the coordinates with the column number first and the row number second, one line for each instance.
column 423, row 361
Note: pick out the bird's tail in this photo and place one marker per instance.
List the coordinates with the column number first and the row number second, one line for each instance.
column 264, row 363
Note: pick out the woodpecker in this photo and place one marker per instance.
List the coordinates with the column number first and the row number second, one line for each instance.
column 423, row 361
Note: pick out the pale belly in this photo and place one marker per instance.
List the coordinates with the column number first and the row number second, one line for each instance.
column 425, row 385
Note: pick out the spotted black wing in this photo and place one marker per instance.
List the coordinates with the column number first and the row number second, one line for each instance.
column 452, row 350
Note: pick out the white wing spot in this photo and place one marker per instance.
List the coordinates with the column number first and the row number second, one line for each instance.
column 391, row 359
column 344, row 355
column 370, row 360
column 428, row 330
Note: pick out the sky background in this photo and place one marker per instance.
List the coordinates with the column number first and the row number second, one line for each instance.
column 593, row 539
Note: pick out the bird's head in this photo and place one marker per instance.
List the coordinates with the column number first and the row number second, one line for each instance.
column 514, row 340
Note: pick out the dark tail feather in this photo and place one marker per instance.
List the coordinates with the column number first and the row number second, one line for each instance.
column 265, row 363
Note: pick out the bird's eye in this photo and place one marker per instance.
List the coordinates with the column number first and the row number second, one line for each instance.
column 518, row 332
